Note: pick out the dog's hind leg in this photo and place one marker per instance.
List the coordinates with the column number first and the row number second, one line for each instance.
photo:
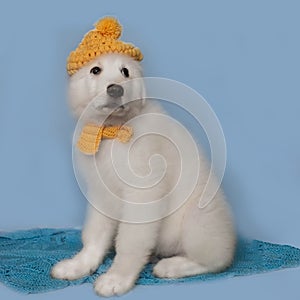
column 178, row 266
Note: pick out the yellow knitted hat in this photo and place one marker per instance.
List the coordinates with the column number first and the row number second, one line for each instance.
column 103, row 39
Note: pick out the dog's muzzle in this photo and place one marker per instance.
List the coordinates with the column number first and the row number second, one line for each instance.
column 114, row 101
column 115, row 90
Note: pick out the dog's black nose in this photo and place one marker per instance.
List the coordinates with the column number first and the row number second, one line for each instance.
column 115, row 90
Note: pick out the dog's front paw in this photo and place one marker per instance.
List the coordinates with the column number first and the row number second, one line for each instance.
column 70, row 269
column 111, row 284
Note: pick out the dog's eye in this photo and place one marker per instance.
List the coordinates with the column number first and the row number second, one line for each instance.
column 95, row 70
column 125, row 72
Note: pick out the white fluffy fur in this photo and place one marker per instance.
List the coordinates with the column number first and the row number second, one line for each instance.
column 190, row 241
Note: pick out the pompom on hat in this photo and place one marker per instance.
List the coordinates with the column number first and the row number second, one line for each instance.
column 101, row 40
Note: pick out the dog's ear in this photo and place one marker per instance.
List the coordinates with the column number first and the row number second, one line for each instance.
column 78, row 96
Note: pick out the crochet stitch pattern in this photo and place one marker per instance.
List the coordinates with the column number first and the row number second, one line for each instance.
column 101, row 40
column 26, row 258
column 92, row 134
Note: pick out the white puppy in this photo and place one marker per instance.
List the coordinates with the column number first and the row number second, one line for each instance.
column 190, row 241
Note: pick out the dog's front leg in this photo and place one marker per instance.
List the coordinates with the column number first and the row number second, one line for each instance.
column 134, row 245
column 97, row 238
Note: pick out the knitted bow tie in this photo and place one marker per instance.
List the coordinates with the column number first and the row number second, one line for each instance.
column 92, row 135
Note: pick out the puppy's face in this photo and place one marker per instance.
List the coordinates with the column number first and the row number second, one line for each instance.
column 107, row 82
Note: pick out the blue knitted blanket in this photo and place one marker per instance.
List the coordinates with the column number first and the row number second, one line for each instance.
column 26, row 258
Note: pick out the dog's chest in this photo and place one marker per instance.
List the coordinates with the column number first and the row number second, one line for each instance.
column 137, row 157
column 145, row 164
column 111, row 157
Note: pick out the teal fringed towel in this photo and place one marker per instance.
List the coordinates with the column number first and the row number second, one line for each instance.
column 26, row 258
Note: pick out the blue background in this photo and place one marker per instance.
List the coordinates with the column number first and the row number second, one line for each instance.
column 242, row 56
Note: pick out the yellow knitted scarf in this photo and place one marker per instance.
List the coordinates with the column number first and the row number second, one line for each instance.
column 92, row 135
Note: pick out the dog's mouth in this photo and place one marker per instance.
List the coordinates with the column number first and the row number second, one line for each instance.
column 113, row 109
